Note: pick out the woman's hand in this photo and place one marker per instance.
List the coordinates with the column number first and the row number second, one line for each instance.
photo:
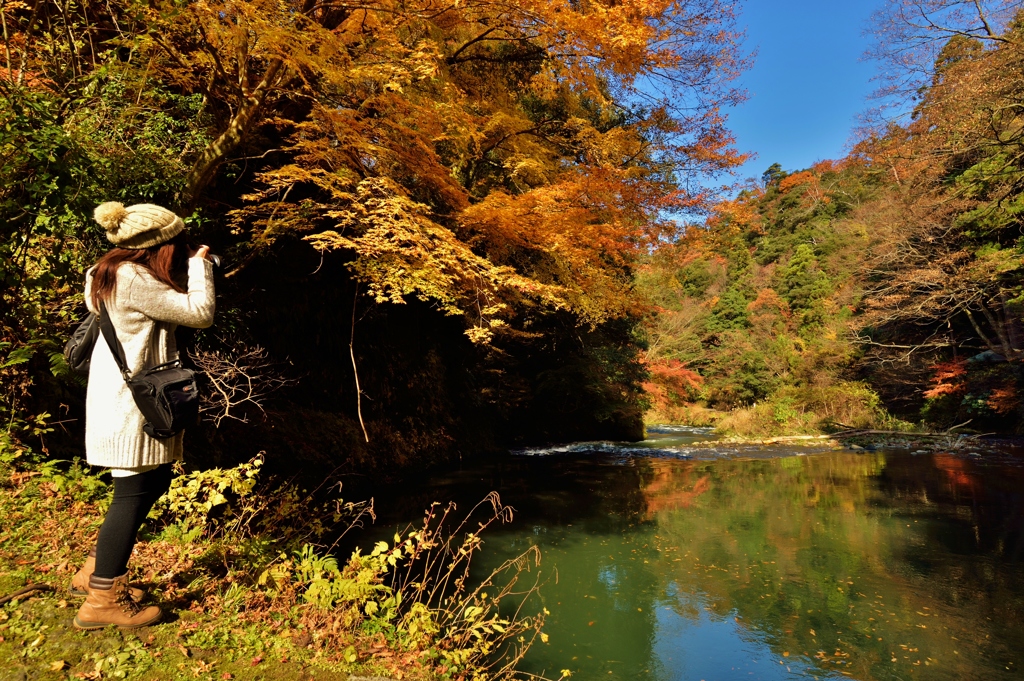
column 200, row 252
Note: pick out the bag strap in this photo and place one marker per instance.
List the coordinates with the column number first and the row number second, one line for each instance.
column 116, row 349
column 174, row 363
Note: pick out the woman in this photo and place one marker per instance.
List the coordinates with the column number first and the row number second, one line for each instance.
column 150, row 282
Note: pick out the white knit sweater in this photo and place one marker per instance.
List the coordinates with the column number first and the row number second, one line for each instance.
column 144, row 312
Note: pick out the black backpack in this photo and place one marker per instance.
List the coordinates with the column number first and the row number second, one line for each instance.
column 78, row 349
column 167, row 395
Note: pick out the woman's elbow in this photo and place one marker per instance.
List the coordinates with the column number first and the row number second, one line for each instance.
column 199, row 315
column 204, row 320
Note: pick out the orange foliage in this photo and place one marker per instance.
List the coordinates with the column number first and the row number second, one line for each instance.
column 1004, row 400
column 804, row 177
column 768, row 300
column 30, row 80
column 671, row 383
column 948, row 378
column 736, row 214
column 584, row 229
column 829, row 166
column 809, row 181
column 476, row 154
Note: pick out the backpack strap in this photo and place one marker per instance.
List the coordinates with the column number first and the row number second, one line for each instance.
column 116, row 349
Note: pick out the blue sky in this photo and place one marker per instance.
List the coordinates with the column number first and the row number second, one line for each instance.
column 808, row 83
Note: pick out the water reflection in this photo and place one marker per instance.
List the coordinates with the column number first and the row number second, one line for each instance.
column 870, row 566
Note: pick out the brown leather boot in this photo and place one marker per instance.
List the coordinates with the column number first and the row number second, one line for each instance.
column 109, row 601
column 80, row 582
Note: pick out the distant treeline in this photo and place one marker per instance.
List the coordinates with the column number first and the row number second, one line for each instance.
column 883, row 289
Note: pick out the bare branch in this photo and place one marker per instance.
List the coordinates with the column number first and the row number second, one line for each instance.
column 243, row 377
column 355, row 368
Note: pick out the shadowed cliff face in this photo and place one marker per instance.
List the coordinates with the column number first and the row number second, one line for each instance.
column 428, row 393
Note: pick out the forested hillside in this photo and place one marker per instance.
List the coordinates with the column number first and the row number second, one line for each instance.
column 442, row 203
column 884, row 289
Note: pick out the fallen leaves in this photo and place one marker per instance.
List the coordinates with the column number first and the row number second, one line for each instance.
column 201, row 668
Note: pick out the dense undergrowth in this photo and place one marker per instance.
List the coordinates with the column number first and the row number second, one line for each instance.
column 246, row 572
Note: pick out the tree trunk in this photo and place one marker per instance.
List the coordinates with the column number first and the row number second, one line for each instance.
column 997, row 326
column 981, row 334
column 1012, row 330
column 229, row 140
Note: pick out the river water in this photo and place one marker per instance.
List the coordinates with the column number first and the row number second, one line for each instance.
column 666, row 561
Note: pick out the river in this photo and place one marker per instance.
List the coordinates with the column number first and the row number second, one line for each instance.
column 662, row 560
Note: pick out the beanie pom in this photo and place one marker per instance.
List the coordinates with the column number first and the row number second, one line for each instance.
column 110, row 215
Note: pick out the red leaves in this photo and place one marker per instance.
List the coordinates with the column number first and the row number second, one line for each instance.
column 768, row 300
column 1004, row 400
column 673, row 372
column 948, row 379
column 671, row 382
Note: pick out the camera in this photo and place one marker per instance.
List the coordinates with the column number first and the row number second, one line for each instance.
column 193, row 246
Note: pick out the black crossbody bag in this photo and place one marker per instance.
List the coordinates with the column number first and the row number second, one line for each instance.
column 167, row 395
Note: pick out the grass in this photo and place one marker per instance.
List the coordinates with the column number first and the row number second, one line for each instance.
column 251, row 590
column 51, row 519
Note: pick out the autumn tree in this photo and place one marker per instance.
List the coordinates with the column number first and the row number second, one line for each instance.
column 484, row 156
column 501, row 163
column 827, row 291
column 946, row 253
column 910, row 36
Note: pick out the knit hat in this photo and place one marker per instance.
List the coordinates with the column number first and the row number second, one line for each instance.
column 139, row 226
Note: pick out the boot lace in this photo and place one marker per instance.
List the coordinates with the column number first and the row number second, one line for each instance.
column 123, row 597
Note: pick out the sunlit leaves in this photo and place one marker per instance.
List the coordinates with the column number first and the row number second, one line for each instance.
column 485, row 157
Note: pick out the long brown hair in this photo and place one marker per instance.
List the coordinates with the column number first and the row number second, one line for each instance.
column 164, row 261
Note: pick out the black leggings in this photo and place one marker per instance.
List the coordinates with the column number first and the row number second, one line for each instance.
column 133, row 497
